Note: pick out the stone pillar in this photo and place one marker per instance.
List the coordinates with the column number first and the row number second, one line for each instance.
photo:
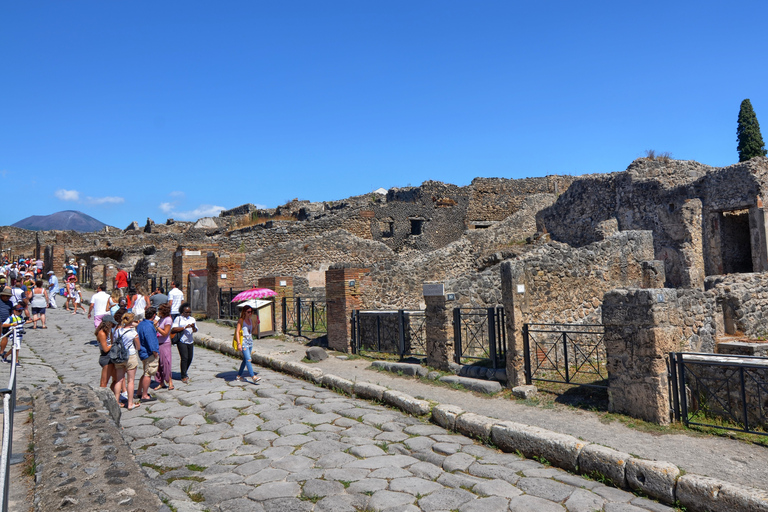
column 283, row 285
column 224, row 271
column 110, row 271
column 515, row 301
column 342, row 295
column 641, row 328
column 437, row 327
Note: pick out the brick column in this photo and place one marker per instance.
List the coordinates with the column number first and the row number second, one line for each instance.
column 641, row 328
column 283, row 285
column 438, row 327
column 515, row 300
column 224, row 271
column 342, row 297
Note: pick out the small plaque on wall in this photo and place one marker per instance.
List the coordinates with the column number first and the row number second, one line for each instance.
column 521, row 288
column 283, row 283
column 192, row 253
column 223, row 276
column 433, row 289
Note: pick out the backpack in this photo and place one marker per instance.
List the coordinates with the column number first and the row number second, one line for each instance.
column 118, row 354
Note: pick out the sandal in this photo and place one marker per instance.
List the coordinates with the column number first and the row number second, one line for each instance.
column 171, row 388
column 256, row 380
column 239, row 378
column 135, row 406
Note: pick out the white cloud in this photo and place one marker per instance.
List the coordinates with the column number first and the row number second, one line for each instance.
column 204, row 210
column 104, row 200
column 177, row 193
column 167, row 207
column 67, row 195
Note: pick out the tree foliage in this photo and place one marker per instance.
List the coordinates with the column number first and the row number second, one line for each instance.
column 748, row 133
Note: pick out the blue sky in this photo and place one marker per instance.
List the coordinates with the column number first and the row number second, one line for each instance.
column 128, row 110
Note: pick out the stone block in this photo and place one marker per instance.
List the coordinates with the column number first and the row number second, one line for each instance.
column 107, row 397
column 335, row 382
column 559, row 449
column 599, row 460
column 655, row 478
column 412, row 370
column 524, row 392
column 481, row 386
column 475, row 425
column 406, row 402
column 369, row 391
column 445, row 415
column 704, row 493
column 316, row 354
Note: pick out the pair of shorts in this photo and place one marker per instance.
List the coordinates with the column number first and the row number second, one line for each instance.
column 38, row 311
column 151, row 365
column 104, row 360
column 131, row 364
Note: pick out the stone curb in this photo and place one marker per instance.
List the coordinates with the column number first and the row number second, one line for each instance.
column 408, row 369
column 658, row 479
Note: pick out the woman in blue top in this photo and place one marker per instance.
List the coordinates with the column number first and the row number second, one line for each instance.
column 244, row 336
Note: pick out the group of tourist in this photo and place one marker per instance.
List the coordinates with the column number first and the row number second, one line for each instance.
column 133, row 330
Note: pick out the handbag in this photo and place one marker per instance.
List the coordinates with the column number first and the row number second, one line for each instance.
column 118, row 354
column 234, row 339
column 176, row 338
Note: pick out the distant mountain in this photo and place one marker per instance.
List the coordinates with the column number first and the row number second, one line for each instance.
column 68, row 219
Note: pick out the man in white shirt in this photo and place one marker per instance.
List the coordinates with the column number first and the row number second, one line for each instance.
column 99, row 303
column 176, row 297
column 53, row 289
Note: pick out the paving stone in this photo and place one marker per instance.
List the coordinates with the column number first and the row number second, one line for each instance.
column 458, row 462
column 453, row 439
column 334, row 460
column 225, row 478
column 425, row 470
column 345, row 474
column 221, row 492
column 366, row 451
column 342, row 503
column 263, row 476
column 583, row 500
column 458, row 480
column 259, row 438
column 431, row 457
column 496, row 487
column 393, row 437
column 494, row 471
column 286, row 505
column 413, row 485
column 293, row 463
column 382, row 500
column 318, row 449
column 446, row 448
column 368, row 485
column 277, row 452
column 295, row 440
column 293, row 429
column 477, row 450
column 613, row 494
column 247, row 423
column 445, row 499
column 321, row 488
column 420, row 443
column 241, row 505
column 424, row 430
column 652, row 506
column 528, row 503
column 542, row 472
column 305, row 474
column 275, row 490
column 400, row 461
column 390, row 473
column 231, row 443
column 545, row 488
column 622, row 507
column 492, row 504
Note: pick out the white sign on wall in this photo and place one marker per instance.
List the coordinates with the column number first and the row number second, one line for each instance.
column 433, row 289
column 192, row 253
column 223, row 276
column 283, row 283
column 521, row 288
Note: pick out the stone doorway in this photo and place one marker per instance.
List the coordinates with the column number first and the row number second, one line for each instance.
column 735, row 241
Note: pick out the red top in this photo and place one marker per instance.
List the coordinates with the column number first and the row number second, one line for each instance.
column 122, row 279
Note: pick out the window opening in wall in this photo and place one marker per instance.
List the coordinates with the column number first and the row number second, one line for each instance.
column 735, row 242
column 417, row 225
column 389, row 229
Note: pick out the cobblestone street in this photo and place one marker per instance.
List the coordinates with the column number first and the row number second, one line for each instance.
column 217, row 444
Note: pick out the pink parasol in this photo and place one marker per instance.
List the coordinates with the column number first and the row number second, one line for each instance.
column 254, row 293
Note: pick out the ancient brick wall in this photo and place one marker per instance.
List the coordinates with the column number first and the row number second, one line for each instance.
column 343, row 285
column 495, row 199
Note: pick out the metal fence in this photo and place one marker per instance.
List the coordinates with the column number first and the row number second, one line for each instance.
column 7, row 458
column 401, row 332
column 480, row 334
column 154, row 282
column 565, row 353
column 728, row 392
column 302, row 316
column 227, row 309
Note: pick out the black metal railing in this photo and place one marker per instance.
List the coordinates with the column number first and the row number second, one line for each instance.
column 565, row 353
column 302, row 316
column 480, row 334
column 728, row 392
column 154, row 282
column 227, row 309
column 401, row 332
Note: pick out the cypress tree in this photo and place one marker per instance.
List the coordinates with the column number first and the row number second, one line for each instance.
column 748, row 132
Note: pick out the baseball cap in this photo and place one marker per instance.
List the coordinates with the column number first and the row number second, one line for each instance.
column 51, row 272
column 19, row 307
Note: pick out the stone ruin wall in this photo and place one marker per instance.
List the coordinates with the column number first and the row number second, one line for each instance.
column 468, row 267
column 566, row 284
column 494, row 199
column 680, row 201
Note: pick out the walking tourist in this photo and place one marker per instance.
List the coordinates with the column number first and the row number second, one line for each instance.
column 38, row 304
column 99, row 305
column 79, row 299
column 104, row 338
column 53, row 288
column 14, row 325
column 121, row 282
column 187, row 326
column 244, row 340
column 140, row 301
column 127, row 335
column 148, row 353
column 176, row 297
column 71, row 294
column 163, row 326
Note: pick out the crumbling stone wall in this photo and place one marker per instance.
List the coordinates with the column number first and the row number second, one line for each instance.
column 741, row 303
column 683, row 203
column 495, row 199
column 556, row 283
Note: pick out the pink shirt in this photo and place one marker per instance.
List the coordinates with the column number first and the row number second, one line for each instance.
column 160, row 326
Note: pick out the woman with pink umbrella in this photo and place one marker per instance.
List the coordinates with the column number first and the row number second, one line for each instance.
column 244, row 340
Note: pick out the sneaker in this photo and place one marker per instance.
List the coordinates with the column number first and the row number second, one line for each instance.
column 124, row 395
column 239, row 378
